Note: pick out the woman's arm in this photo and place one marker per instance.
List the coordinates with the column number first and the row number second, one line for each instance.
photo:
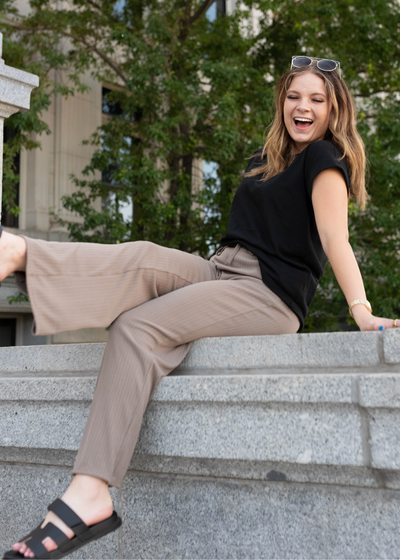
column 329, row 198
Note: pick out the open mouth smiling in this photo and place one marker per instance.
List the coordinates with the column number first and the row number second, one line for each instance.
column 302, row 122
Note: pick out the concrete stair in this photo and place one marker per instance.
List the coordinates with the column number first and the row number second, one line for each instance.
column 255, row 447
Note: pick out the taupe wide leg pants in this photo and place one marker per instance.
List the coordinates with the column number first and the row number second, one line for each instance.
column 158, row 301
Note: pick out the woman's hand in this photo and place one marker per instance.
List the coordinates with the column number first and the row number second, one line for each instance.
column 368, row 322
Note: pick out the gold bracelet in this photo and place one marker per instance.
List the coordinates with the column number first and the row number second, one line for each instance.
column 356, row 302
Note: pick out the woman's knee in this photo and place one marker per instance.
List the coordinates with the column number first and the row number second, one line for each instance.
column 121, row 324
column 134, row 329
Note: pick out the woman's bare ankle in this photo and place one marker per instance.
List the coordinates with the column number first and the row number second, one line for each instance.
column 90, row 497
column 88, row 485
column 12, row 254
column 21, row 250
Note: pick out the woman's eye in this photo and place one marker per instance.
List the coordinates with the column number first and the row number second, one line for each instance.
column 291, row 97
column 318, row 100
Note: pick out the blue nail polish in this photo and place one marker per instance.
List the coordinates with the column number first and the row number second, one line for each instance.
column 381, row 328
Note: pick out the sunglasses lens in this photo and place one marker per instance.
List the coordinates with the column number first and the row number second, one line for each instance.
column 301, row 61
column 326, row 65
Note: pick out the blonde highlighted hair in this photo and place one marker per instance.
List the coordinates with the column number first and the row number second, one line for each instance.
column 342, row 131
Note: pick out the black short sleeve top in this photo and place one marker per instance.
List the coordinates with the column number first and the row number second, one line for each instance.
column 275, row 221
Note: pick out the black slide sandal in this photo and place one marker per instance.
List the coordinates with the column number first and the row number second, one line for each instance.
column 83, row 533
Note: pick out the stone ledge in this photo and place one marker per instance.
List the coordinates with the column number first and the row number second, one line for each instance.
column 391, row 346
column 315, row 420
column 363, row 477
column 381, row 390
column 291, row 457
column 353, row 349
column 325, row 351
column 49, row 359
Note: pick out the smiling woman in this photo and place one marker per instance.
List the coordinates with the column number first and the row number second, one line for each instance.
column 306, row 111
column 288, row 216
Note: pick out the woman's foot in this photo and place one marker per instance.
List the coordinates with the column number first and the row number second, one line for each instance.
column 12, row 254
column 89, row 498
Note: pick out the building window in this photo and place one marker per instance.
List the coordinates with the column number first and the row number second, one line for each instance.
column 109, row 177
column 109, row 174
column 8, row 329
column 216, row 9
column 221, row 7
column 8, row 219
column 108, row 106
column 112, row 107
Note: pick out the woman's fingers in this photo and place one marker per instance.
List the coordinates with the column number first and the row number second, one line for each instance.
column 376, row 324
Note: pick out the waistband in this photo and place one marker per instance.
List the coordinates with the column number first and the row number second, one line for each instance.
column 236, row 260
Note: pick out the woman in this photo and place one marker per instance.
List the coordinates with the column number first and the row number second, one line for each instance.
column 289, row 214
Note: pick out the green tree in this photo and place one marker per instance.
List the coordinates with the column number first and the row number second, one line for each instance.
column 190, row 92
column 200, row 89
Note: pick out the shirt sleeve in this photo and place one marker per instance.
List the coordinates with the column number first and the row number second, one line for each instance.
column 323, row 155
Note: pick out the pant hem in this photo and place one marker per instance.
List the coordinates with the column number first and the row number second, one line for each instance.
column 96, row 474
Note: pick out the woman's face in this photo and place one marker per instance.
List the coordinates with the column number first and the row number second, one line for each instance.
column 306, row 110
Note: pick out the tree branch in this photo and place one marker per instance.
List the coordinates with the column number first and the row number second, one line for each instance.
column 203, row 8
column 113, row 65
column 94, row 4
column 103, row 56
column 187, row 8
column 187, row 22
column 375, row 92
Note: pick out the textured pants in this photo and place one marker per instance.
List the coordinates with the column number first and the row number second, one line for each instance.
column 157, row 301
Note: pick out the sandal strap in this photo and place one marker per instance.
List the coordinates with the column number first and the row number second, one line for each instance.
column 36, row 538
column 37, row 547
column 66, row 514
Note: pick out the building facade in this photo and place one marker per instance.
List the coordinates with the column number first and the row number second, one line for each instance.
column 45, row 178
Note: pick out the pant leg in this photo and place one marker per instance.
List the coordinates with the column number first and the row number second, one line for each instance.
column 82, row 285
column 149, row 341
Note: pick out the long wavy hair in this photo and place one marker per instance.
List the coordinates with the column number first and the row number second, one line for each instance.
column 342, row 131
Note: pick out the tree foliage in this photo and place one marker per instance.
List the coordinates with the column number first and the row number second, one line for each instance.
column 194, row 89
column 190, row 91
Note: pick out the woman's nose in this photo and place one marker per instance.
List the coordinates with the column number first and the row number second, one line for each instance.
column 303, row 104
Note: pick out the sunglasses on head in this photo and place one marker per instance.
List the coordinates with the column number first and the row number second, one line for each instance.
column 324, row 64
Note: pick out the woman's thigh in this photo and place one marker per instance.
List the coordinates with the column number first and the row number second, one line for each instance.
column 242, row 306
column 82, row 285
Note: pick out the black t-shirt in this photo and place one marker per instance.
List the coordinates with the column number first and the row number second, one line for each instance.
column 275, row 221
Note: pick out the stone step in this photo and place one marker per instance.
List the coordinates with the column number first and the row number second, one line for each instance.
column 256, row 447
column 303, row 426
column 369, row 351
